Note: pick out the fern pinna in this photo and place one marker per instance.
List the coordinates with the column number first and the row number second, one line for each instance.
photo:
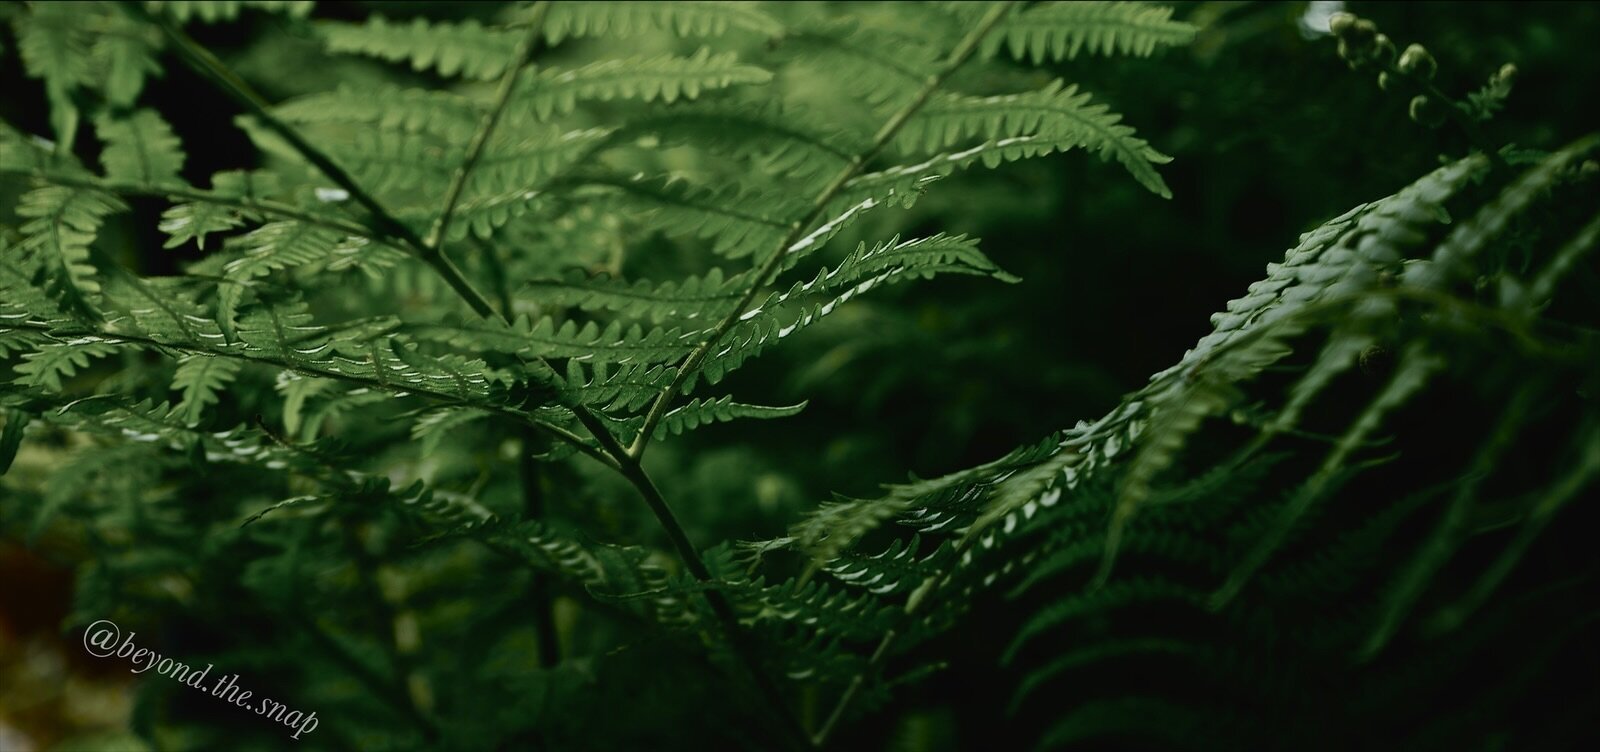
column 557, row 229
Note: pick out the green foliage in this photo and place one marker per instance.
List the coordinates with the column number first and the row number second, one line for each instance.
column 391, row 391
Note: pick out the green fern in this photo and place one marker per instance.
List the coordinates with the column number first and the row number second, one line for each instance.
column 201, row 379
column 1061, row 30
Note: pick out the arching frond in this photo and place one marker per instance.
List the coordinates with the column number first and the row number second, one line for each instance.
column 1058, row 113
column 625, row 18
column 140, row 148
column 668, row 78
column 1061, row 30
column 466, row 49
column 62, row 223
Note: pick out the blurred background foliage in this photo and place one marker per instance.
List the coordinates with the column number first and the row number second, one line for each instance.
column 1271, row 135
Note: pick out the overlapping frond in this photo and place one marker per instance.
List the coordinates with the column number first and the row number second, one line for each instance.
column 1058, row 113
column 467, row 49
column 625, row 18
column 1058, row 31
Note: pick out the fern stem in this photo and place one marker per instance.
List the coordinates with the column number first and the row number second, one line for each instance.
column 738, row 637
column 556, row 431
column 770, row 268
column 212, row 69
column 486, row 129
column 923, row 594
column 257, row 206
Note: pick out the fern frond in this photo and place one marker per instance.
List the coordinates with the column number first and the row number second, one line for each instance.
column 1058, row 31
column 737, row 221
column 201, row 378
column 885, row 67
column 431, row 427
column 48, row 365
column 125, row 53
column 903, row 184
column 55, row 48
column 467, row 49
column 861, row 271
column 897, row 569
column 781, row 140
column 693, row 298
column 588, row 342
column 17, row 340
column 624, row 388
column 512, row 166
column 140, row 148
column 446, row 115
column 212, row 11
column 625, row 18
column 1058, row 113
column 554, row 92
column 1451, row 260
column 195, row 220
column 699, row 412
column 62, row 222
column 269, row 248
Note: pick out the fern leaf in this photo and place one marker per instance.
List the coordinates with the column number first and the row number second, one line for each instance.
column 694, row 298
column 881, row 66
column 737, row 221
column 272, row 247
column 1058, row 31
column 195, row 220
column 55, row 48
column 201, row 378
column 62, row 223
column 431, row 428
column 589, row 341
column 212, row 11
column 467, row 49
column 126, row 53
column 444, row 114
column 699, row 412
column 691, row 18
column 140, row 148
column 781, row 140
column 295, row 390
column 668, row 78
column 859, row 273
column 1057, row 113
column 897, row 569
column 514, row 163
column 48, row 365
column 614, row 389
column 17, row 340
column 1452, row 258
column 904, row 184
